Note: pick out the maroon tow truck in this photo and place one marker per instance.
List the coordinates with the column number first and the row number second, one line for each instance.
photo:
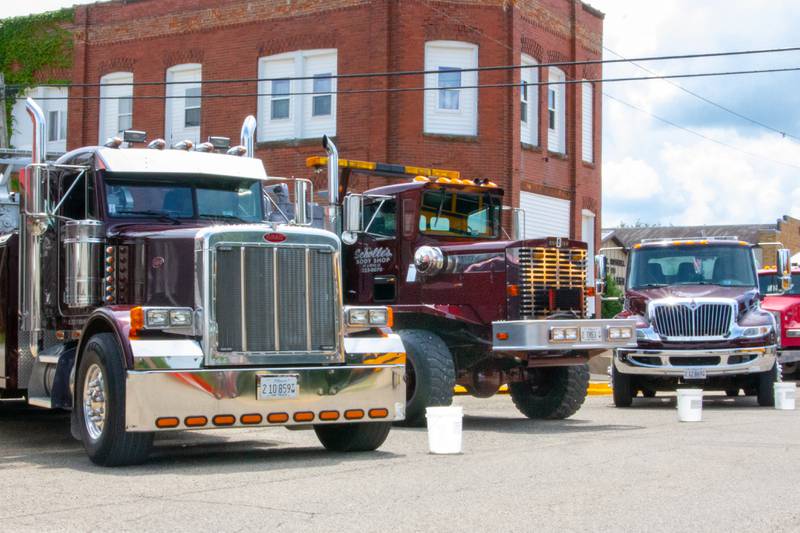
column 473, row 305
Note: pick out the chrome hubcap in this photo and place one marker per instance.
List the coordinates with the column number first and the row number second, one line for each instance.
column 94, row 402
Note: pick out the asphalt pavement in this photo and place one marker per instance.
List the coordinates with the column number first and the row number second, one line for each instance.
column 604, row 469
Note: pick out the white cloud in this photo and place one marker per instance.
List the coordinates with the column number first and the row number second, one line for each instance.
column 630, row 179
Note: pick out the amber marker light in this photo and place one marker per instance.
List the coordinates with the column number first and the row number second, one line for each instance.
column 378, row 413
column 354, row 414
column 224, row 420
column 512, row 290
column 167, row 422
column 502, row 336
column 195, row 421
column 389, row 317
column 251, row 419
column 304, row 416
column 329, row 415
column 137, row 321
column 277, row 418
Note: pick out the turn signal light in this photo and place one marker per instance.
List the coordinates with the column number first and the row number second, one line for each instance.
column 251, row 419
column 195, row 421
column 224, row 420
column 329, row 415
column 137, row 321
column 277, row 418
column 304, row 416
column 502, row 336
column 512, row 290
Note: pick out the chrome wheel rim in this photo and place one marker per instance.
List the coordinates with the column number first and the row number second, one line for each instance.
column 94, row 402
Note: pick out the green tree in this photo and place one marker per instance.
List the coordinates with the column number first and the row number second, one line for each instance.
column 612, row 307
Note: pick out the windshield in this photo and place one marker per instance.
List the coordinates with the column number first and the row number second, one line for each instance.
column 728, row 266
column 770, row 284
column 459, row 214
column 187, row 197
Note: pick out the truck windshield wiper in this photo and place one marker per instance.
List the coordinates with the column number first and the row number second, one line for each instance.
column 163, row 215
column 223, row 217
column 649, row 285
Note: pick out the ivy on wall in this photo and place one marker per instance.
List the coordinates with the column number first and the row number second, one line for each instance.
column 30, row 47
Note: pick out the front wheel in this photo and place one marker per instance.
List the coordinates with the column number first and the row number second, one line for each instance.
column 622, row 388
column 430, row 374
column 364, row 437
column 551, row 393
column 766, row 387
column 100, row 406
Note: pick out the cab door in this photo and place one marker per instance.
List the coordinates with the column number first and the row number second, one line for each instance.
column 371, row 263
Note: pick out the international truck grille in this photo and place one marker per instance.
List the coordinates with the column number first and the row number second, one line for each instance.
column 692, row 320
column 275, row 300
column 553, row 281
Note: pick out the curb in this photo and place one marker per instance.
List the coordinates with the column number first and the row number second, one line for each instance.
column 596, row 388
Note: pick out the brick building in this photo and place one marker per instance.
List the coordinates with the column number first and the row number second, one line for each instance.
column 541, row 143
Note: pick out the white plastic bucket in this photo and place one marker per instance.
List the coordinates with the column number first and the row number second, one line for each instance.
column 444, row 429
column 785, row 395
column 690, row 405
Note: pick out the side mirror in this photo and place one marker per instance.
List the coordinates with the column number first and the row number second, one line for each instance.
column 300, row 203
column 601, row 270
column 784, row 268
column 353, row 213
column 518, row 224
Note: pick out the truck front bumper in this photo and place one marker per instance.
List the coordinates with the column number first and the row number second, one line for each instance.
column 202, row 399
column 675, row 363
column 538, row 335
column 788, row 356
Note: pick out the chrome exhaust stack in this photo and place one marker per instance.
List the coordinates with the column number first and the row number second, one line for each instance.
column 34, row 214
column 334, row 202
column 247, row 138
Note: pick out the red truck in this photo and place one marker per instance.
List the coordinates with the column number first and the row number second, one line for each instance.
column 473, row 305
column 785, row 307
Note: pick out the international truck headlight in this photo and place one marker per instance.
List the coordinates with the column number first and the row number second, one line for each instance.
column 756, row 331
column 370, row 316
column 563, row 334
column 620, row 333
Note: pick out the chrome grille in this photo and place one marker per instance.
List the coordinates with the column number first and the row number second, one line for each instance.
column 689, row 320
column 552, row 280
column 275, row 299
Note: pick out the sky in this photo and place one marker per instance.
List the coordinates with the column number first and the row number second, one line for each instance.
column 659, row 173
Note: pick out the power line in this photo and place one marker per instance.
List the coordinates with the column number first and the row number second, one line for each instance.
column 426, row 72
column 708, row 100
column 698, row 134
column 418, row 89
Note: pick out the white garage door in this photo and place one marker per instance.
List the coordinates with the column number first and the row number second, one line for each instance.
column 545, row 216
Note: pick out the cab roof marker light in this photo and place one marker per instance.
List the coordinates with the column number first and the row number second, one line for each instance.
column 204, row 147
column 443, row 180
column 185, row 144
column 422, row 179
column 157, row 144
column 237, row 150
column 113, row 142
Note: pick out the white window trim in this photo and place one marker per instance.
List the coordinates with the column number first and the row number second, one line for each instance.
column 587, row 145
column 560, row 110
column 531, row 125
column 432, row 85
column 111, row 78
column 297, row 103
column 61, row 119
column 180, row 89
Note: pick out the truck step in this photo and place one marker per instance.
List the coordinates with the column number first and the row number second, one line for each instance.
column 40, row 401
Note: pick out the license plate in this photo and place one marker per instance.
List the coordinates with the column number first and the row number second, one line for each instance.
column 277, row 387
column 694, row 373
column 593, row 334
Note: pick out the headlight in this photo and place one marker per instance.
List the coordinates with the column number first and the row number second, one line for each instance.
column 563, row 334
column 369, row 316
column 794, row 333
column 160, row 318
column 756, row 331
column 428, row 260
column 618, row 333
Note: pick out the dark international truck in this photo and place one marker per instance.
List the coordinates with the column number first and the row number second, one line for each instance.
column 784, row 304
column 144, row 290
column 699, row 321
column 473, row 306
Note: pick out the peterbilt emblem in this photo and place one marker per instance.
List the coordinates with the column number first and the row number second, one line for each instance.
column 274, row 237
column 158, row 262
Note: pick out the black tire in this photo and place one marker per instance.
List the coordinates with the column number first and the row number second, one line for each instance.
column 430, row 374
column 112, row 446
column 364, row 437
column 622, row 388
column 552, row 393
column 789, row 369
column 766, row 387
column 731, row 392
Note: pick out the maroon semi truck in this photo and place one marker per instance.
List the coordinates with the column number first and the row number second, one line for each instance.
column 473, row 306
column 151, row 290
column 699, row 321
column 784, row 304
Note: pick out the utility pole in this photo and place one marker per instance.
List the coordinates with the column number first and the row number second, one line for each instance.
column 3, row 117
